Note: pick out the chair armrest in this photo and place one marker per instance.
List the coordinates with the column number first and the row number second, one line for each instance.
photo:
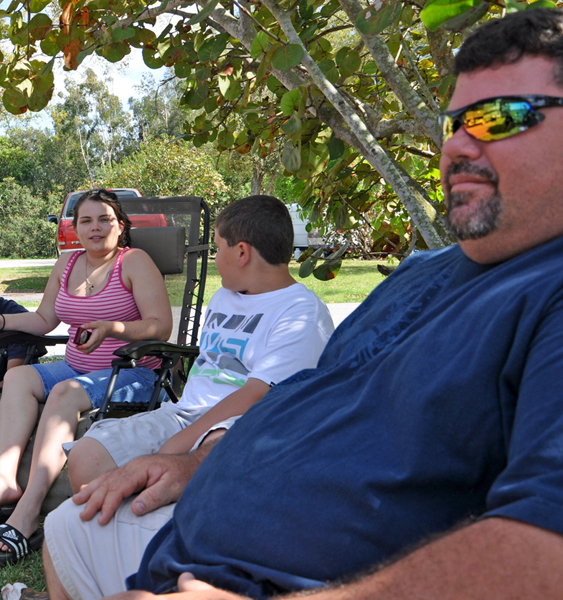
column 28, row 339
column 137, row 350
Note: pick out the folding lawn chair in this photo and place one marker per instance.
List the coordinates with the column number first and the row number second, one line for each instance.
column 181, row 246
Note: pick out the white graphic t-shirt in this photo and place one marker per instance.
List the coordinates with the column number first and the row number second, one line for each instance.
column 265, row 336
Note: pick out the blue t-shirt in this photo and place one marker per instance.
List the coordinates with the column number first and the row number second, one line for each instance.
column 440, row 398
column 9, row 307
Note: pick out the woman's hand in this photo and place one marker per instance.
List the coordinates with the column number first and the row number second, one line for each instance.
column 100, row 331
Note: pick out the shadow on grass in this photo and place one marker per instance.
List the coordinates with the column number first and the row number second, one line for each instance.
column 32, row 285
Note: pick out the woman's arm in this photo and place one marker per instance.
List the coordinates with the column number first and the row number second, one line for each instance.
column 44, row 319
column 141, row 275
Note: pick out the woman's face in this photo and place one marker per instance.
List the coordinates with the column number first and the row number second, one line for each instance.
column 97, row 227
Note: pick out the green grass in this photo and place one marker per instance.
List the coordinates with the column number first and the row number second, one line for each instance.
column 354, row 282
column 24, row 280
column 28, row 571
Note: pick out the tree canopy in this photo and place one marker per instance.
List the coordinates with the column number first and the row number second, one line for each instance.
column 347, row 91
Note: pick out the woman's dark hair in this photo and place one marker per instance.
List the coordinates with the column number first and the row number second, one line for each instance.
column 535, row 32
column 261, row 221
column 111, row 199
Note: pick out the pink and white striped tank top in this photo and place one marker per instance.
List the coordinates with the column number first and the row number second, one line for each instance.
column 115, row 302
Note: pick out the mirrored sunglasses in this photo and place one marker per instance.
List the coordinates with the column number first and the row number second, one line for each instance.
column 496, row 118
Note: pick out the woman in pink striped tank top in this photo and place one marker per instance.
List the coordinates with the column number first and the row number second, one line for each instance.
column 118, row 296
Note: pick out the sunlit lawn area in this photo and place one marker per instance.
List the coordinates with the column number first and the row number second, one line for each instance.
column 354, row 282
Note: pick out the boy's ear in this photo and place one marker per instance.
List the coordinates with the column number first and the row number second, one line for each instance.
column 245, row 252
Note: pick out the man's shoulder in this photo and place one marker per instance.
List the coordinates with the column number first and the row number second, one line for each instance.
column 9, row 306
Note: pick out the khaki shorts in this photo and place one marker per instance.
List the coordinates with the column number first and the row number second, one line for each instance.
column 92, row 561
column 143, row 433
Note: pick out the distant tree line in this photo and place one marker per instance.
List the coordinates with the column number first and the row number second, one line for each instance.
column 95, row 141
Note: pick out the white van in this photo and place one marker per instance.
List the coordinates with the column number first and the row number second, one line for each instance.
column 302, row 238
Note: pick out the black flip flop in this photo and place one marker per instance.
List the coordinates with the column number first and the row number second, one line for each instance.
column 19, row 544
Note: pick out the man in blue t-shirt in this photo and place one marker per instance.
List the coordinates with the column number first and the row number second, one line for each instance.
column 426, row 449
column 11, row 355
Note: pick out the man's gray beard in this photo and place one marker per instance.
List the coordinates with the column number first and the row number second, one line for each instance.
column 482, row 221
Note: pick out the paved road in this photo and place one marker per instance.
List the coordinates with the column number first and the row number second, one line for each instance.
column 338, row 313
column 38, row 262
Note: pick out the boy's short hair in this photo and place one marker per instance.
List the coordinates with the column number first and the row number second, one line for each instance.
column 535, row 32
column 261, row 221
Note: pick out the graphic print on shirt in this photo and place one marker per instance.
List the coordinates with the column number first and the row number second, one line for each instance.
column 223, row 342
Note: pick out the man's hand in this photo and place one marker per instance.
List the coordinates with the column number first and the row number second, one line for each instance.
column 188, row 589
column 160, row 477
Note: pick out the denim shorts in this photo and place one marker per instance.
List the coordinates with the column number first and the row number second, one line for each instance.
column 132, row 385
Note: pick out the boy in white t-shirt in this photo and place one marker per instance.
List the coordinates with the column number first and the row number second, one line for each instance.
column 260, row 328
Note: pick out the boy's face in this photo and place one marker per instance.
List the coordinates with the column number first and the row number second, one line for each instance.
column 226, row 261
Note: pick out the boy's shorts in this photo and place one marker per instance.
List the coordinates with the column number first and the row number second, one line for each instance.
column 145, row 433
column 132, row 385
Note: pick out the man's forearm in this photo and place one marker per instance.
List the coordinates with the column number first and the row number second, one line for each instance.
column 494, row 559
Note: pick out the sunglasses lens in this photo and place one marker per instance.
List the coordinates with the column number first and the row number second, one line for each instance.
column 493, row 120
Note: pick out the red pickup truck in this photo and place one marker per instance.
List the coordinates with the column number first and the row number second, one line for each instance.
column 66, row 236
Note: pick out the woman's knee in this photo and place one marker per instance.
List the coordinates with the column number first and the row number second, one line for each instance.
column 23, row 380
column 66, row 394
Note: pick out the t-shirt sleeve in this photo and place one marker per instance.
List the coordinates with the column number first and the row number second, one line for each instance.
column 294, row 343
column 9, row 307
column 530, row 488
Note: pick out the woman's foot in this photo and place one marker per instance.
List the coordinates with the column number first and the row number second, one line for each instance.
column 27, row 527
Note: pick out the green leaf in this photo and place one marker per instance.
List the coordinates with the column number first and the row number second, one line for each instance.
column 182, row 68
column 15, row 97
column 234, row 91
column 541, row 4
column 273, row 84
column 119, row 34
column 36, row 6
column 290, row 102
column 291, row 157
column 225, row 139
column 328, row 67
column 38, row 101
column 12, row 108
column 47, row 69
column 203, row 13
column 513, row 6
column 151, row 59
column 212, row 48
column 287, row 57
column 336, row 148
column 196, row 96
column 115, row 52
column 374, row 19
column 348, row 61
column 260, row 44
column 467, row 18
column 328, row 270
column 42, row 84
column 224, row 83
column 292, row 126
column 39, row 26
column 437, row 12
column 307, row 267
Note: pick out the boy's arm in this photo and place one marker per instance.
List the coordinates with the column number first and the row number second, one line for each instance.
column 233, row 405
